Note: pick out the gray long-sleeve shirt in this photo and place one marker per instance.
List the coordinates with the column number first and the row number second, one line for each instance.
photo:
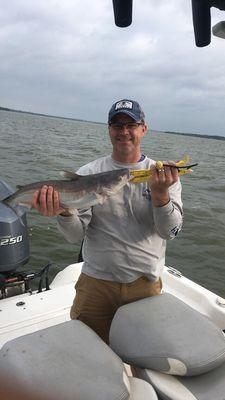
column 125, row 237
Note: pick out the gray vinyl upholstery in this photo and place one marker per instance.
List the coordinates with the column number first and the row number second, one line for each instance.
column 165, row 334
column 208, row 386
column 67, row 361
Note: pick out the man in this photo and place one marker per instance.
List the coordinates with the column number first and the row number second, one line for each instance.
column 124, row 238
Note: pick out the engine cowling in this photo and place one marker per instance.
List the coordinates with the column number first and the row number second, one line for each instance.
column 14, row 241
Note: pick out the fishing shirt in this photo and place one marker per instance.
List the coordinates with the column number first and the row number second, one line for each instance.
column 125, row 237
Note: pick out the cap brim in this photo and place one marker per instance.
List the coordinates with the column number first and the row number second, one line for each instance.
column 127, row 112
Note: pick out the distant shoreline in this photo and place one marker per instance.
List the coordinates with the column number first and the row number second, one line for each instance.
column 215, row 137
column 49, row 116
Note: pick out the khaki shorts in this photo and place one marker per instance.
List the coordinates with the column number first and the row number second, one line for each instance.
column 97, row 300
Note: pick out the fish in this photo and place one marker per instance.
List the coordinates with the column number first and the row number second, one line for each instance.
column 84, row 191
column 76, row 191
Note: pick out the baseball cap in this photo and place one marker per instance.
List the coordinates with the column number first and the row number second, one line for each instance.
column 129, row 107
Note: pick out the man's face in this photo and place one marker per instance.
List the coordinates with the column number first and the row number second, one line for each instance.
column 126, row 139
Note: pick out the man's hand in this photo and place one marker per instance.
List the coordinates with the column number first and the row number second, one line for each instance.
column 47, row 202
column 161, row 180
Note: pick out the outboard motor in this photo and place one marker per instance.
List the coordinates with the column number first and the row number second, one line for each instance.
column 15, row 251
column 14, row 243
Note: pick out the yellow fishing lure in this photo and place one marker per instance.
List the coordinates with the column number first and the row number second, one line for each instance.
column 143, row 175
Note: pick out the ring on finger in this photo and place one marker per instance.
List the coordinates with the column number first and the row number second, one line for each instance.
column 161, row 170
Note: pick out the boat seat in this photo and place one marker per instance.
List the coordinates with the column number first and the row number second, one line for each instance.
column 163, row 333
column 68, row 361
column 208, row 386
column 141, row 390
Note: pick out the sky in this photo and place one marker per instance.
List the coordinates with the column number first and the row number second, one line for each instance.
column 68, row 58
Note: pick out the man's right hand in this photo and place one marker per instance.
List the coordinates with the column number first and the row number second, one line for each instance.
column 47, row 202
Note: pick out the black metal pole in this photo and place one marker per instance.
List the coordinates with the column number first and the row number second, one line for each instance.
column 122, row 12
column 202, row 22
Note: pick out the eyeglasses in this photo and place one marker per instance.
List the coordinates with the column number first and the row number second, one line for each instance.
column 131, row 126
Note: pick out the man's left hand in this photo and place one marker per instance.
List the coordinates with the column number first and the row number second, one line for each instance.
column 161, row 180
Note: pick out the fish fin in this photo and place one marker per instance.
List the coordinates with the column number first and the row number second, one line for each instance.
column 66, row 207
column 70, row 175
column 101, row 198
column 27, row 204
column 24, row 203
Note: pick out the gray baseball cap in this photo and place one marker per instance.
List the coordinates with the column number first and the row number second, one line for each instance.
column 128, row 107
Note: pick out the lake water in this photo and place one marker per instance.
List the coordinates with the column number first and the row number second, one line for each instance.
column 38, row 147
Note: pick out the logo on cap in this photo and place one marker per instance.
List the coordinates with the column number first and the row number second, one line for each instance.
column 124, row 104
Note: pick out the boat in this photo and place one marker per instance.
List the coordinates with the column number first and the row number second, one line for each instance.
column 181, row 356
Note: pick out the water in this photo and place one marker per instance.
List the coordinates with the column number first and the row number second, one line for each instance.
column 38, row 147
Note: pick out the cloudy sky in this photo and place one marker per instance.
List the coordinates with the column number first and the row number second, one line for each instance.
column 68, row 58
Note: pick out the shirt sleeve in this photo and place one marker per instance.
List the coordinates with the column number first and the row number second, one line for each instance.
column 168, row 219
column 73, row 228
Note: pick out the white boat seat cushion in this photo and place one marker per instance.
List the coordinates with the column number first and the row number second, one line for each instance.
column 208, row 386
column 141, row 390
column 165, row 334
column 67, row 361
